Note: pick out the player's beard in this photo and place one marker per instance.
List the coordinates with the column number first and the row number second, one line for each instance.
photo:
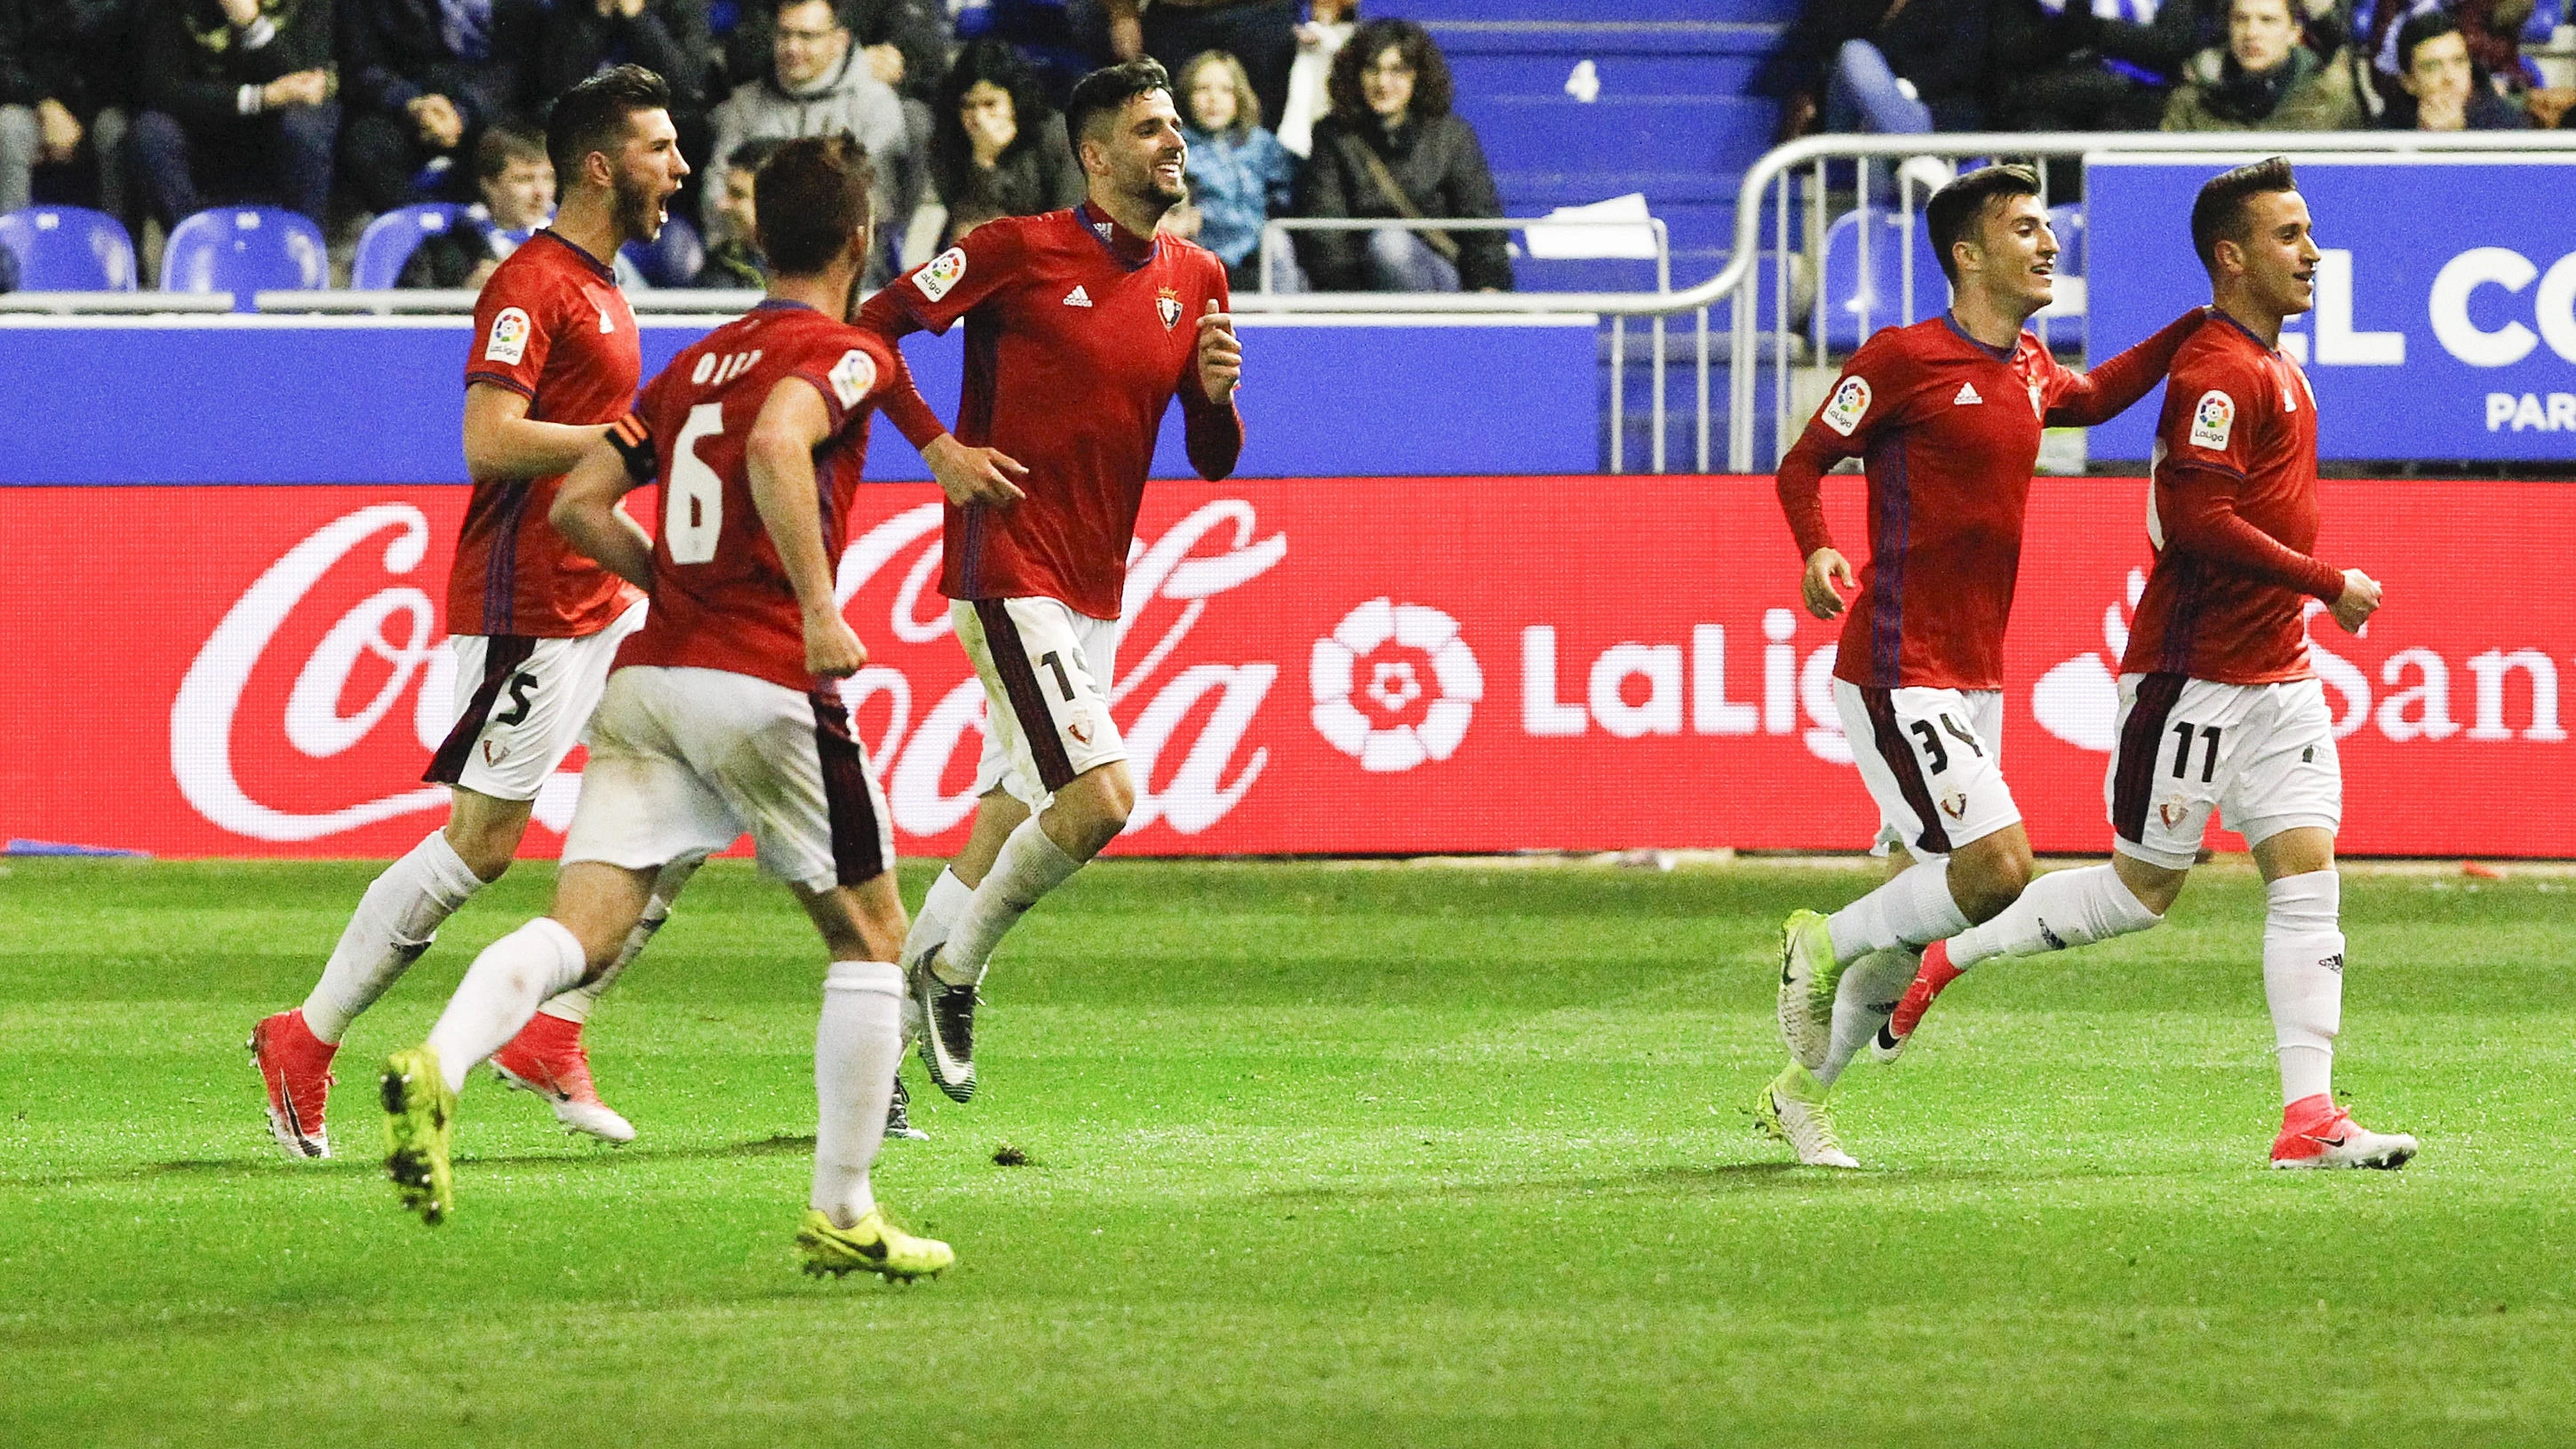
column 639, row 208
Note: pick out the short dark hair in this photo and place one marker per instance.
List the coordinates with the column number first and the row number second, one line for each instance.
column 590, row 116
column 2422, row 26
column 810, row 196
column 504, row 143
column 753, row 154
column 1954, row 211
column 1106, row 92
column 1433, row 91
column 2219, row 211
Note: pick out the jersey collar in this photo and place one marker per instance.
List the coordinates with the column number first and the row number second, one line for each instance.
column 603, row 270
column 782, row 304
column 1999, row 354
column 1124, row 247
column 2241, row 327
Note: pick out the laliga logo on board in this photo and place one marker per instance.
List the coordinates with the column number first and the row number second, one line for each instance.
column 1397, row 642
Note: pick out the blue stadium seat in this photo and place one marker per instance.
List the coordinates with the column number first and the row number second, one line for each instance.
column 69, row 249
column 245, row 250
column 672, row 259
column 2068, row 222
column 1857, row 301
column 391, row 238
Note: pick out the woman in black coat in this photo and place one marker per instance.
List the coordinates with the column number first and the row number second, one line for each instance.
column 1393, row 148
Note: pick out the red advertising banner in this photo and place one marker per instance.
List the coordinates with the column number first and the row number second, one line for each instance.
column 1361, row 666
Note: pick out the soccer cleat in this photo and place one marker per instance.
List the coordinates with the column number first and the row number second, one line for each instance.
column 295, row 1065
column 546, row 1058
column 420, row 1122
column 870, row 1245
column 948, row 1031
column 2317, row 1133
column 1791, row 1108
column 1930, row 980
column 1809, row 975
column 899, row 1116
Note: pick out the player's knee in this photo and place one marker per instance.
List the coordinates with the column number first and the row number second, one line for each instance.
column 1991, row 874
column 1097, row 805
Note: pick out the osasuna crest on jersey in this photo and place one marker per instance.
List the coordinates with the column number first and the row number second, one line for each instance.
column 509, row 341
column 1849, row 402
column 853, row 377
column 943, row 273
column 2212, row 419
column 1168, row 303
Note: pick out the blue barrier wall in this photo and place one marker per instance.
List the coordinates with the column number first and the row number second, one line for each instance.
column 2445, row 321
column 295, row 400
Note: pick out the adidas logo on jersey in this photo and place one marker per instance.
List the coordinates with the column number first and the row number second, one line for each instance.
column 1967, row 395
column 1077, row 297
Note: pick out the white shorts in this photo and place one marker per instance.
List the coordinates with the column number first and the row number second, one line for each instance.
column 1046, row 671
column 1933, row 760
column 2264, row 754
column 683, row 761
column 521, row 704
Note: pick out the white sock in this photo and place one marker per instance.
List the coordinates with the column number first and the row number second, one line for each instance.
column 1914, row 909
column 501, row 990
column 575, row 1005
column 395, row 921
column 1029, row 866
column 856, row 1051
column 2303, row 978
column 2060, row 909
column 1863, row 1003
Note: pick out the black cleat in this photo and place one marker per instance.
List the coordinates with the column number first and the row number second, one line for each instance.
column 899, row 1116
column 947, row 1032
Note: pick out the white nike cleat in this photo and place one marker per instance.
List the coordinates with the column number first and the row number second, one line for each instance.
column 1809, row 976
column 1791, row 1108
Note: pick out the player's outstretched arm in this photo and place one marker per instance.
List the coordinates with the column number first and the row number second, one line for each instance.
column 779, row 456
column 969, row 476
column 2198, row 509
column 585, row 512
column 2087, row 398
column 503, row 442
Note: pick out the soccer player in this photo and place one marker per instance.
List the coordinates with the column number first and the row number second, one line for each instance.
column 1947, row 415
column 1081, row 327
column 2220, row 708
column 555, row 359
column 720, row 717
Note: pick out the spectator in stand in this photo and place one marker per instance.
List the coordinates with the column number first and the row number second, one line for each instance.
column 1240, row 176
column 1262, row 34
column 2443, row 89
column 1327, row 29
column 819, row 84
column 2490, row 30
column 2069, row 65
column 2263, row 80
column 422, row 78
column 241, row 101
column 998, row 149
column 666, row 37
column 1901, row 67
column 733, row 256
column 67, row 96
column 1393, row 148
column 517, row 183
column 905, row 42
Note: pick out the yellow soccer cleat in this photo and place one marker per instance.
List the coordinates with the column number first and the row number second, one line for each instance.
column 420, row 1122
column 870, row 1245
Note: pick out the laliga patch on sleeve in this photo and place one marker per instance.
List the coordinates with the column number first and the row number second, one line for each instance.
column 2212, row 419
column 943, row 273
column 509, row 340
column 853, row 378
column 1843, row 412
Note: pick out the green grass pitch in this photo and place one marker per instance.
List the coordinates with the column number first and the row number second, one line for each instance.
column 1318, row 1155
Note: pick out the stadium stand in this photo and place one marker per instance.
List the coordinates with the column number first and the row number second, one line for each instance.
column 671, row 259
column 391, row 238
column 69, row 249
column 244, row 250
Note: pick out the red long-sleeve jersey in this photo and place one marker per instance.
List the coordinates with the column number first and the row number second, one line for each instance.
column 2233, row 516
column 1078, row 336
column 1948, row 429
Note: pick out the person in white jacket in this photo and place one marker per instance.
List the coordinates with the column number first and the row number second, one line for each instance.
column 1318, row 41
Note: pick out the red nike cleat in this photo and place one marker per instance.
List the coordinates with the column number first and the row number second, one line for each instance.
column 295, row 1065
column 546, row 1058
column 1930, row 980
column 2317, row 1133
